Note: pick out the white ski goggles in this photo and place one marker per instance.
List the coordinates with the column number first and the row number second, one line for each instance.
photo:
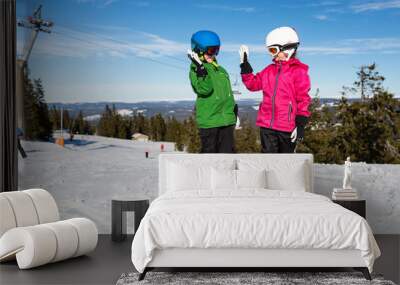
column 275, row 49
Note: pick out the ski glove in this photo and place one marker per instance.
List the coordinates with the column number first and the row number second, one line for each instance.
column 236, row 110
column 200, row 69
column 244, row 64
column 298, row 132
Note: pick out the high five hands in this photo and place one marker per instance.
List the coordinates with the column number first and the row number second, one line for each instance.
column 244, row 63
column 243, row 53
column 200, row 69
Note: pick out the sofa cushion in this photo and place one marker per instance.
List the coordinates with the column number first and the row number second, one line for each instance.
column 24, row 209
column 41, row 244
column 45, row 205
column 7, row 220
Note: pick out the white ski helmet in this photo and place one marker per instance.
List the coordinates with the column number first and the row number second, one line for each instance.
column 283, row 36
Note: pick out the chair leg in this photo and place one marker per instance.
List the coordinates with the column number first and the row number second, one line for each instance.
column 143, row 274
column 364, row 271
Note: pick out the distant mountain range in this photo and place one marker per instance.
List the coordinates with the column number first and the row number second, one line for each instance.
column 179, row 109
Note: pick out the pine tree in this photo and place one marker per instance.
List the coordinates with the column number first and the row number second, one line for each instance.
column 192, row 138
column 157, row 128
column 54, row 116
column 87, row 128
column 112, row 124
column 37, row 121
column 317, row 132
column 103, row 127
column 174, row 133
column 246, row 138
column 140, row 124
column 79, row 124
column 66, row 119
column 367, row 130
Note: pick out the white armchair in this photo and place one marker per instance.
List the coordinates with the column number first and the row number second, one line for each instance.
column 31, row 232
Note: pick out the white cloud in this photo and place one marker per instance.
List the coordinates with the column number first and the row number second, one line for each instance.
column 227, row 8
column 340, row 47
column 311, row 4
column 325, row 3
column 374, row 44
column 85, row 1
column 327, row 50
column 357, row 45
column 73, row 43
column 321, row 17
column 375, row 6
column 105, row 3
column 109, row 2
column 113, row 29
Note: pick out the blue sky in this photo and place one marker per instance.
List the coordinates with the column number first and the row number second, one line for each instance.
column 128, row 50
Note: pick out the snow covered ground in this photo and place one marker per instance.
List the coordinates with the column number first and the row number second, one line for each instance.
column 86, row 174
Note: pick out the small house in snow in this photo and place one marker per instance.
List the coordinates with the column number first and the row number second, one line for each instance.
column 140, row 137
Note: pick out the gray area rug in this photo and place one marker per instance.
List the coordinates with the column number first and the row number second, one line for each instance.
column 231, row 278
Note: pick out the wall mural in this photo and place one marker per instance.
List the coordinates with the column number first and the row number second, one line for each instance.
column 103, row 88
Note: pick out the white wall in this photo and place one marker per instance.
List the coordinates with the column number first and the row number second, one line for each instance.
column 378, row 184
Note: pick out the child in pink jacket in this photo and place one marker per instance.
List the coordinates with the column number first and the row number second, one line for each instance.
column 283, row 112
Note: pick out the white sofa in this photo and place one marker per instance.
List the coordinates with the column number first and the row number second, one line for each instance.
column 31, row 232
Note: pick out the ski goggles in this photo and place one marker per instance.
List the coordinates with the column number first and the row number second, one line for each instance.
column 275, row 49
column 212, row 50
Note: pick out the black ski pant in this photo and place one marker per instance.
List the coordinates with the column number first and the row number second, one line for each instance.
column 217, row 140
column 273, row 141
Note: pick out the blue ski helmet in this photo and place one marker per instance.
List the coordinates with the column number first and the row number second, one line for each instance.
column 205, row 42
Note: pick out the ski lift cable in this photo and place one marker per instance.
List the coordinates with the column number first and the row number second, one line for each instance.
column 97, row 44
column 143, row 48
column 140, row 48
column 146, row 49
column 129, row 45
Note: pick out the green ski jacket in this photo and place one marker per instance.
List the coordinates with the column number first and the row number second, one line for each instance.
column 215, row 102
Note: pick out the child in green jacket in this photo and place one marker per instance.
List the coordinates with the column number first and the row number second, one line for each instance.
column 215, row 104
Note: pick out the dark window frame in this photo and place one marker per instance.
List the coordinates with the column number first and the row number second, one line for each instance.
column 8, row 137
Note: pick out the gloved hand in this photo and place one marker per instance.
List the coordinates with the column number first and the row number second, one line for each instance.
column 242, row 51
column 244, row 64
column 298, row 133
column 236, row 110
column 200, row 69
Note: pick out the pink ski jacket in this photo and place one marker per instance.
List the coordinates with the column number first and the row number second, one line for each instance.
column 285, row 86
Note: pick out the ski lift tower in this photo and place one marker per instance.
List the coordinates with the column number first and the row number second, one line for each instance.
column 235, row 86
column 37, row 25
column 236, row 91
